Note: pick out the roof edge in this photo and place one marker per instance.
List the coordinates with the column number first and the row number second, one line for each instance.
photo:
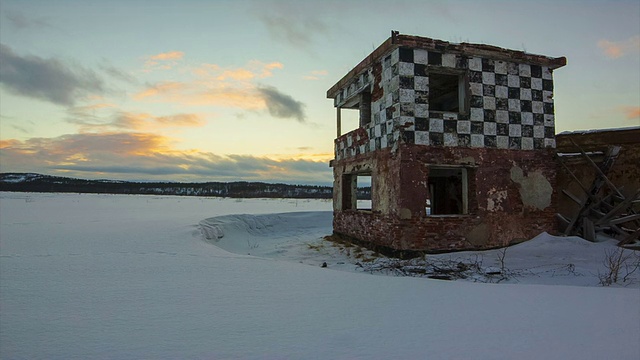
column 397, row 40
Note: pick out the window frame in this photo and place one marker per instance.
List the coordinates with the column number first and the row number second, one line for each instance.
column 463, row 88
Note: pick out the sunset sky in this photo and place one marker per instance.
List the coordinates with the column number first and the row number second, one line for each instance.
column 236, row 90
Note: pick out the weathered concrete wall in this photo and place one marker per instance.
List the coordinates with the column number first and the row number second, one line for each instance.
column 511, row 198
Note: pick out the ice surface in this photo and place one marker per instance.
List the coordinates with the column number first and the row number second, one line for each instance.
column 130, row 277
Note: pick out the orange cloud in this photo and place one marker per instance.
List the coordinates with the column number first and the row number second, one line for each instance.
column 254, row 70
column 315, row 75
column 617, row 49
column 162, row 61
column 136, row 155
column 203, row 93
column 631, row 112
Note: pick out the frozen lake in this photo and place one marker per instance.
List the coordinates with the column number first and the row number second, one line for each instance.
column 130, row 277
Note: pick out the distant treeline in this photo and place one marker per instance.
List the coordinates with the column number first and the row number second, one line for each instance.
column 23, row 182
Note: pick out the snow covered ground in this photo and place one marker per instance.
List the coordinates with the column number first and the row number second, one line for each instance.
column 130, row 277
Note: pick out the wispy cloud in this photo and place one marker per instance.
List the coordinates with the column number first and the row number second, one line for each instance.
column 19, row 21
column 46, row 79
column 141, row 155
column 617, row 49
column 315, row 75
column 162, row 61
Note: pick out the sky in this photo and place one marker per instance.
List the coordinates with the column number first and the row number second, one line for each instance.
column 236, row 90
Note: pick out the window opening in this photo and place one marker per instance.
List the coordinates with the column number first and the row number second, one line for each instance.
column 357, row 114
column 448, row 191
column 356, row 193
column 446, row 92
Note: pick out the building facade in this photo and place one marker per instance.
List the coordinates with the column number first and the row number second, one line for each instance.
column 456, row 140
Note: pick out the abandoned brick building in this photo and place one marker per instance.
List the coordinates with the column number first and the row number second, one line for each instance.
column 457, row 141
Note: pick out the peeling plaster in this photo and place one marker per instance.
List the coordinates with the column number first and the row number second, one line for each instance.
column 535, row 189
column 495, row 198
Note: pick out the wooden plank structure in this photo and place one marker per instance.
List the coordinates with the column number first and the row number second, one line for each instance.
column 602, row 207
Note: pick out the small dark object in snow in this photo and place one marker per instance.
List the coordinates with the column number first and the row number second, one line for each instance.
column 324, row 264
column 340, row 262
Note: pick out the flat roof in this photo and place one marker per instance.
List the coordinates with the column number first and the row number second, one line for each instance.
column 418, row 42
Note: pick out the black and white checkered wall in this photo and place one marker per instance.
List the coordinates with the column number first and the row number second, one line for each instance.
column 510, row 105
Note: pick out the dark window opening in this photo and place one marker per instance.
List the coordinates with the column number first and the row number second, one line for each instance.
column 446, row 92
column 448, row 191
column 356, row 192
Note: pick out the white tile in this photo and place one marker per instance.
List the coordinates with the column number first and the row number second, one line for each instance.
column 489, row 102
column 502, row 142
column 538, row 131
column 436, row 125
column 477, row 140
column 450, row 139
column 515, row 130
column 395, row 56
column 546, row 74
column 514, row 105
column 477, row 114
column 502, row 92
column 502, row 116
column 421, row 56
column 513, row 81
column 422, row 137
column 525, row 94
column 536, row 83
column 488, row 78
column 547, row 96
column 463, row 127
column 489, row 128
column 537, row 107
column 550, row 143
column 476, row 89
column 405, row 68
column 549, row 120
column 526, row 118
column 421, row 83
column 407, row 96
column 525, row 70
column 527, row 143
column 500, row 67
column 421, row 110
column 475, row 64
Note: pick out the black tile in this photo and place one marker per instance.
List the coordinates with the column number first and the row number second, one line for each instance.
column 548, row 108
column 476, row 101
column 475, row 76
column 419, row 70
column 383, row 129
column 406, row 82
column 488, row 65
column 389, row 112
column 501, row 79
column 464, row 140
column 514, row 93
column 435, row 58
column 477, row 127
column 527, row 130
column 406, row 54
column 490, row 141
column 514, row 117
column 408, row 137
column 502, row 104
column 436, row 139
column 489, row 90
column 515, row 143
column 422, row 97
column 435, row 115
column 407, row 109
column 538, row 119
column 538, row 144
column 536, row 95
column 513, row 69
column 525, row 82
column 536, row 71
column 462, row 62
column 451, row 126
column 547, row 85
column 422, row 124
column 489, row 115
column 549, row 132
column 525, row 105
column 502, row 129
column 378, row 144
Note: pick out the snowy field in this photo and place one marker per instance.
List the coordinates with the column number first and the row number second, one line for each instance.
column 151, row 277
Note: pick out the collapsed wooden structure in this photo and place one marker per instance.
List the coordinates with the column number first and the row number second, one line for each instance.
column 603, row 192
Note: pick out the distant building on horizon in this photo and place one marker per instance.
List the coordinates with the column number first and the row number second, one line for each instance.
column 456, row 141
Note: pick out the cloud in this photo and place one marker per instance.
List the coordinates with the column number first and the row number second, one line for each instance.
column 292, row 24
column 46, row 79
column 163, row 61
column 228, row 87
column 19, row 21
column 617, row 49
column 631, row 112
column 315, row 75
column 106, row 117
column 282, row 105
column 148, row 156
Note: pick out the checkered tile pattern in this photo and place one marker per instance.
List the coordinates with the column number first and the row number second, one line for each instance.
column 510, row 105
